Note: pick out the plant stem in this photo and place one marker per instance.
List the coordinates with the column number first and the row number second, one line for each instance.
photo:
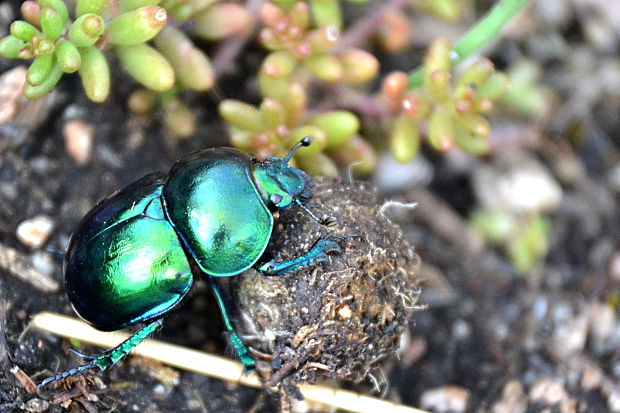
column 479, row 35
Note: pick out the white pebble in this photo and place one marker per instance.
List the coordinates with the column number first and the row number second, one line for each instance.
column 548, row 391
column 11, row 86
column 33, row 232
column 453, row 399
column 78, row 140
column 517, row 183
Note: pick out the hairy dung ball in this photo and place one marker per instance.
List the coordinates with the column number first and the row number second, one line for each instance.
column 338, row 319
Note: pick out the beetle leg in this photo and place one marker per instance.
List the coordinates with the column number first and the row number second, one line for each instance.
column 109, row 358
column 319, row 252
column 242, row 351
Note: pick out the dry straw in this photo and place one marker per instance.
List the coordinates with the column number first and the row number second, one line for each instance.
column 210, row 365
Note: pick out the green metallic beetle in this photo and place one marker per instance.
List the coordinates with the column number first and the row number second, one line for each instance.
column 130, row 260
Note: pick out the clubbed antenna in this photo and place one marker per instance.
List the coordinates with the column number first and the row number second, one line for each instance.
column 305, row 141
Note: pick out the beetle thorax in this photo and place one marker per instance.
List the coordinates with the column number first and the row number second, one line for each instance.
column 279, row 184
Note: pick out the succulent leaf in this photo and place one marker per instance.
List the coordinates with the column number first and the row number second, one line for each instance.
column 39, row 69
column 68, row 56
column 95, row 74
column 147, row 66
column 86, row 29
column 35, row 92
column 137, row 26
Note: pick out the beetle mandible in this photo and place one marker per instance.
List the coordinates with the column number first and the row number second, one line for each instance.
column 130, row 260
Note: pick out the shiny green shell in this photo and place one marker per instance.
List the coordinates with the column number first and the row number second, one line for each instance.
column 212, row 200
column 125, row 263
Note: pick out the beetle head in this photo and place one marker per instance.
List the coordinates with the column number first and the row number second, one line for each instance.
column 279, row 183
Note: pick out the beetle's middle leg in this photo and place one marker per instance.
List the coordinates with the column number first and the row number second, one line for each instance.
column 242, row 351
column 109, row 358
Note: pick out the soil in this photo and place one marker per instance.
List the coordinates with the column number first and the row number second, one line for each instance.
column 490, row 339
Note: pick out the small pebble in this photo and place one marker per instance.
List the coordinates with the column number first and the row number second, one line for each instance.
column 519, row 183
column 461, row 330
column 602, row 324
column 569, row 337
column 36, row 405
column 513, row 399
column 445, row 399
column 412, row 349
column 43, row 262
column 548, row 392
column 614, row 267
column 33, row 232
column 78, row 140
column 393, row 176
column 613, row 402
column 591, row 379
column 160, row 391
column 11, row 85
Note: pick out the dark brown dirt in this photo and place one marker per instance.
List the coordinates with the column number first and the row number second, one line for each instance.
column 545, row 341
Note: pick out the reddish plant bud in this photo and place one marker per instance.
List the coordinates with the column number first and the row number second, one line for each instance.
column 281, row 29
column 261, row 140
column 26, row 53
column 414, row 106
column 465, row 103
column 394, row 86
column 324, row 38
column 294, row 33
column 272, row 16
column 300, row 15
column 278, row 64
column 302, row 50
column 31, row 12
column 269, row 39
column 395, row 31
column 484, row 105
column 282, row 131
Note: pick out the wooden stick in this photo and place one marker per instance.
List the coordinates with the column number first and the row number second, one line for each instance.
column 213, row 366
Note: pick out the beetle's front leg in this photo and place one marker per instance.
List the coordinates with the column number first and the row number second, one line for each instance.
column 319, row 252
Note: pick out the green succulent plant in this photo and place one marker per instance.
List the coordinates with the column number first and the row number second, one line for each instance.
column 453, row 111
column 523, row 237
column 300, row 37
column 324, row 12
column 58, row 44
column 294, row 43
column 281, row 121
